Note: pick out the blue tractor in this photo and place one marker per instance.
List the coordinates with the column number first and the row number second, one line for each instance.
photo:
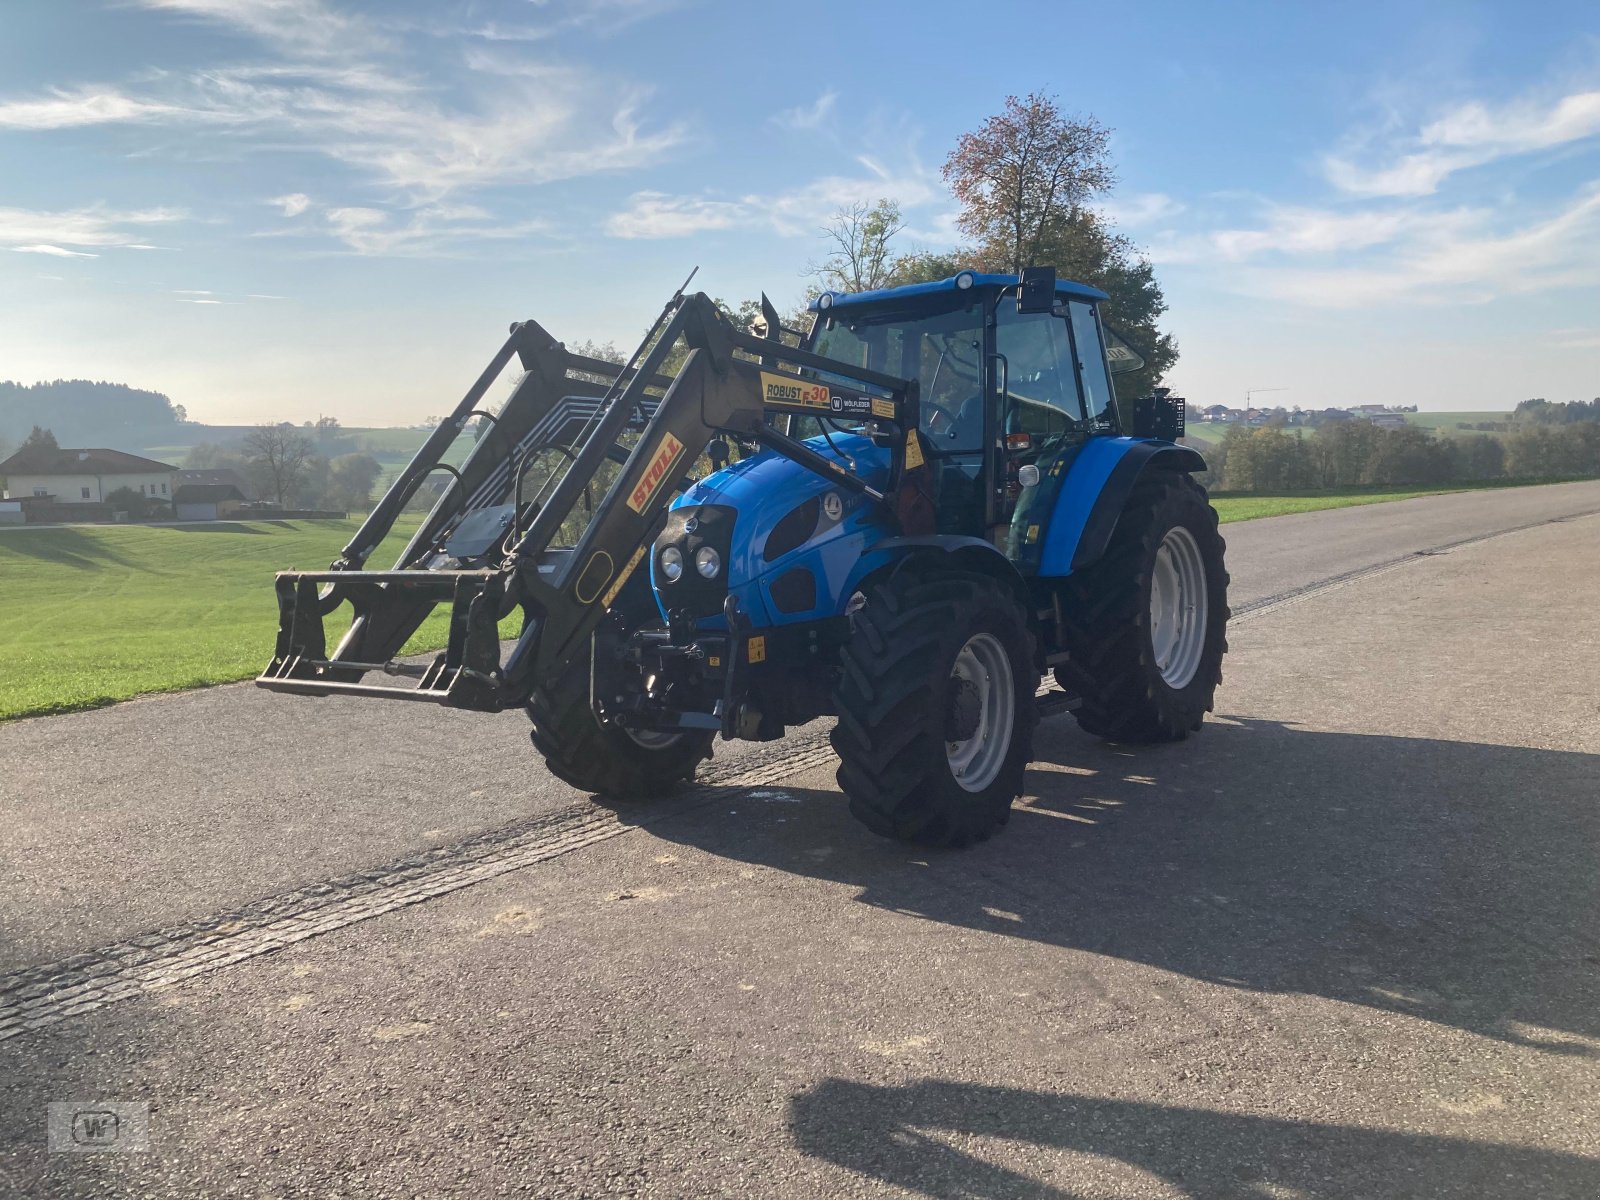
column 905, row 518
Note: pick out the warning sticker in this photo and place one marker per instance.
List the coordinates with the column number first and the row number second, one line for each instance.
column 913, row 450
column 883, row 408
column 667, row 453
column 758, row 649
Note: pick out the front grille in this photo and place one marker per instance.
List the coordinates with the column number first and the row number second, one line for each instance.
column 712, row 526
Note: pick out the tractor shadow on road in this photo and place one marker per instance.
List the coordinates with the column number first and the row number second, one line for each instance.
column 1448, row 881
column 905, row 1136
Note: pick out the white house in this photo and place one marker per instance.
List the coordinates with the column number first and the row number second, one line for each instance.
column 84, row 476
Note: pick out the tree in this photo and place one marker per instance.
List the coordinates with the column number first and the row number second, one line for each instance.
column 39, row 436
column 351, row 478
column 278, row 457
column 1026, row 181
column 860, row 260
column 137, row 505
column 1024, row 171
column 926, row 266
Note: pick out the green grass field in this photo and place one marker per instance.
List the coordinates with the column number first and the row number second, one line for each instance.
column 1252, row 507
column 97, row 614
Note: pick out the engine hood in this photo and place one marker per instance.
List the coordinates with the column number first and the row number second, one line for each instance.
column 788, row 518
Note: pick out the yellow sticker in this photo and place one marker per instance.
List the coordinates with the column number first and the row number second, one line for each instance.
column 611, row 593
column 786, row 389
column 883, row 408
column 1032, row 534
column 758, row 649
column 667, row 453
column 913, row 450
column 713, row 661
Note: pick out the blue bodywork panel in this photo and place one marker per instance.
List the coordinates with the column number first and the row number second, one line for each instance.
column 766, row 487
column 841, row 553
column 1086, row 479
column 1064, row 287
column 1089, row 483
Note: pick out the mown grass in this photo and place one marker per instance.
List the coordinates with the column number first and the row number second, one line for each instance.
column 94, row 614
column 1243, row 506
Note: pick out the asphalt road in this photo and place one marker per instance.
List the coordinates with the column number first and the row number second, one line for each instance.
column 1346, row 942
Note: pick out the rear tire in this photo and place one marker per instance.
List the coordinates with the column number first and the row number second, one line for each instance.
column 936, row 708
column 608, row 762
column 1146, row 626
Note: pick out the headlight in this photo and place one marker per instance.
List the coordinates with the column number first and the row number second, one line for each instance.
column 965, row 280
column 708, row 562
column 671, row 562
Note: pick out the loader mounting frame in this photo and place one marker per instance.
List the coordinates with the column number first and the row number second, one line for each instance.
column 727, row 387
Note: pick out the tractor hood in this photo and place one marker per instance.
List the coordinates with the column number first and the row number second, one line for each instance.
column 787, row 538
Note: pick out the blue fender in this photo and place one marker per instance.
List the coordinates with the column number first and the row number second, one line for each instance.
column 1096, row 490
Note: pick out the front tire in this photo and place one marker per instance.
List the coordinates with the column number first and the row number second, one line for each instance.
column 610, row 762
column 1145, row 628
column 936, row 708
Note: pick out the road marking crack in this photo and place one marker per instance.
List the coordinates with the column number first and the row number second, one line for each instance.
column 49, row 993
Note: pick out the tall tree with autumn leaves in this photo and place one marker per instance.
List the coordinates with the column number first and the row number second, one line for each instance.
column 1030, row 181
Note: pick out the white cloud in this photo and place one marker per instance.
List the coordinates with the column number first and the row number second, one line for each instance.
column 97, row 227
column 658, row 215
column 808, row 116
column 1454, row 258
column 64, row 109
column 293, row 204
column 800, row 211
column 1141, row 208
column 57, row 251
column 426, row 230
column 337, row 92
column 304, row 26
column 196, row 300
column 1467, row 136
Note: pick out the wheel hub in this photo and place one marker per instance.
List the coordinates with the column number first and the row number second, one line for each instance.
column 980, row 712
column 964, row 711
column 1178, row 607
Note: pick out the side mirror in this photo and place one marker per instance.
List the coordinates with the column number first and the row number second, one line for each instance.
column 1038, row 291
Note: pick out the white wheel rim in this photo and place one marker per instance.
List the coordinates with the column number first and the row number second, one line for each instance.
column 984, row 664
column 651, row 739
column 1178, row 607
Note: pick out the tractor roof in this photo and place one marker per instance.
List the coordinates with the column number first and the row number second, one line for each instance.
column 1064, row 287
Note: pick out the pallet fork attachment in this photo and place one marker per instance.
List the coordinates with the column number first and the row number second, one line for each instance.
column 489, row 551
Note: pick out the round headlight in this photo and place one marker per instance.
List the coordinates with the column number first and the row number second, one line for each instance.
column 825, row 301
column 708, row 562
column 671, row 563
column 965, row 280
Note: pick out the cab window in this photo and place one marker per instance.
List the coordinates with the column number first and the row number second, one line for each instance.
column 1091, row 361
column 1041, row 386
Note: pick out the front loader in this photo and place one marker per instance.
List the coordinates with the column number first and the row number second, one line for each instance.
column 903, row 518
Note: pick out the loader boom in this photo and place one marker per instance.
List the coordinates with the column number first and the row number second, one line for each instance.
column 489, row 552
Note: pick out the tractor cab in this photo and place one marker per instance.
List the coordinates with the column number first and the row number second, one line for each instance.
column 1014, row 375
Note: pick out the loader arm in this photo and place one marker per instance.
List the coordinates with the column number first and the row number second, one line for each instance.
column 490, row 552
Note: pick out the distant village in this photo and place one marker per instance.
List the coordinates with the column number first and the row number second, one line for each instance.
column 1388, row 416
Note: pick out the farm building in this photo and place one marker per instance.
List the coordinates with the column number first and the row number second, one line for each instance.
column 85, row 476
column 207, row 501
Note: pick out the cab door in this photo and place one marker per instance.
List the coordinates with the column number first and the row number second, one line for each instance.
column 1043, row 421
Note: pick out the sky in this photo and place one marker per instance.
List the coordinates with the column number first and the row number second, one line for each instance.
column 282, row 209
